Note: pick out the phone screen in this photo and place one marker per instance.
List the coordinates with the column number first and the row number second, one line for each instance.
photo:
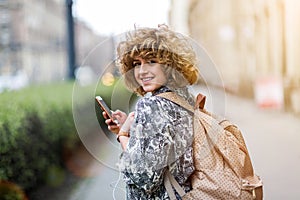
column 104, row 106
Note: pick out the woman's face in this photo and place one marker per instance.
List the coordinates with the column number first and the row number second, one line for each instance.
column 149, row 74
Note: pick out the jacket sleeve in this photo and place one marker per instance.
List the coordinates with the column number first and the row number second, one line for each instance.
column 145, row 160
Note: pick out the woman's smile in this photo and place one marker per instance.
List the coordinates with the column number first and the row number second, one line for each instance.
column 149, row 74
column 147, row 80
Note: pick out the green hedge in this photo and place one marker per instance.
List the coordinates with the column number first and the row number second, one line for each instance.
column 34, row 124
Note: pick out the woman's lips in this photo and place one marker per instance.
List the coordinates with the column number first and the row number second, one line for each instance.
column 146, row 80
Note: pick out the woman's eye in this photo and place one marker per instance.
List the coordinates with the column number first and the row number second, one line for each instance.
column 151, row 62
column 136, row 64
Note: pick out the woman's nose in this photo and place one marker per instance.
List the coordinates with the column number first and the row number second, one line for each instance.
column 143, row 67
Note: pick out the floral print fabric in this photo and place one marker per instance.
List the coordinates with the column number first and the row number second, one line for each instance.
column 160, row 139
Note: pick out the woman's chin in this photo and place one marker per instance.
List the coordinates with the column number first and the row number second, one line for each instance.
column 151, row 88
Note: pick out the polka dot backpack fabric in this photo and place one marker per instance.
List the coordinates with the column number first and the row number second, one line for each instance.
column 223, row 168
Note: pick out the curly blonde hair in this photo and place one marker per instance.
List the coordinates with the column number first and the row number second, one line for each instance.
column 170, row 49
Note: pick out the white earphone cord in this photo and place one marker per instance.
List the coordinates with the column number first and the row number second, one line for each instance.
column 116, row 186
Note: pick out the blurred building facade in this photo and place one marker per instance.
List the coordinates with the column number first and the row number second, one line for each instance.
column 248, row 40
column 92, row 50
column 33, row 41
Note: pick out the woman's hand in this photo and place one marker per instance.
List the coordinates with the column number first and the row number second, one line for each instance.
column 114, row 126
column 119, row 116
column 123, row 139
column 126, row 125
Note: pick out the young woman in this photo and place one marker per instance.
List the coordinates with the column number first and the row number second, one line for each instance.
column 158, row 135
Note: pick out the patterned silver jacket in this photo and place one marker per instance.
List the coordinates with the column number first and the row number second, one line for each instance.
column 160, row 140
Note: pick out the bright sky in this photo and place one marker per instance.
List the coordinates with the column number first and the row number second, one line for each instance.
column 117, row 16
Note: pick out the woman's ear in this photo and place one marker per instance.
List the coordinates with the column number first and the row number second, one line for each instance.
column 177, row 79
column 168, row 73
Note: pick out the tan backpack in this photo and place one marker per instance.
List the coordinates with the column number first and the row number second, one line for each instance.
column 223, row 169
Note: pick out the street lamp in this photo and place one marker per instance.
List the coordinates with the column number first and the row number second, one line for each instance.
column 70, row 39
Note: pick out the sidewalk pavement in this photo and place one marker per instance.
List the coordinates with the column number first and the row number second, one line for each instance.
column 272, row 138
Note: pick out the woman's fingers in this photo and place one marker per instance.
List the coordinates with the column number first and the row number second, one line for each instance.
column 119, row 116
column 126, row 126
column 104, row 115
column 112, row 126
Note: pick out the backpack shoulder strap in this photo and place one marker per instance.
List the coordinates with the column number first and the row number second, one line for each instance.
column 172, row 96
column 200, row 101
